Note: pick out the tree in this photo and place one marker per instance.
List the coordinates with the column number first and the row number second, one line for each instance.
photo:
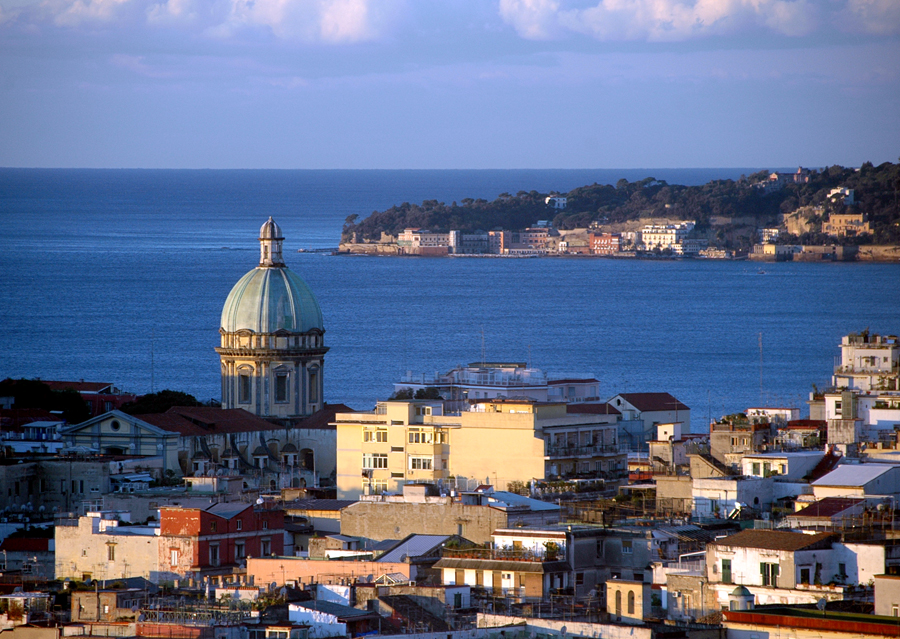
column 32, row 393
column 159, row 402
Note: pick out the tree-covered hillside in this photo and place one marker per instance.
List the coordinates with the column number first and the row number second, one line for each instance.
column 877, row 190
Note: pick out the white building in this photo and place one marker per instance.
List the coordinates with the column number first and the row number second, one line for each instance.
column 786, row 466
column 780, row 567
column 772, row 415
column 490, row 380
column 556, row 201
column 859, row 480
column 718, row 497
column 876, row 411
column 663, row 236
column 868, row 362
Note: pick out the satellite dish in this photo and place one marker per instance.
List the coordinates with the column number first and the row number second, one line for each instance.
column 821, row 603
column 563, row 631
column 403, row 557
column 259, row 501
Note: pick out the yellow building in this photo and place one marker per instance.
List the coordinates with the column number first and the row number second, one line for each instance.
column 498, row 441
column 846, row 225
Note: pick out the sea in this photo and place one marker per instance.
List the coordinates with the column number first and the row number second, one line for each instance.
column 119, row 276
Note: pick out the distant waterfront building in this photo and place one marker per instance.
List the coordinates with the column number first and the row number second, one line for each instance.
column 605, row 243
column 847, row 196
column 769, row 235
column 556, row 201
column 413, row 241
column 273, row 347
column 474, row 243
column 846, row 225
column 663, row 236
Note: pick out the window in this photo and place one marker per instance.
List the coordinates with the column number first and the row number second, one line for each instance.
column 895, row 610
column 239, row 551
column 379, row 435
column 842, row 571
column 266, row 545
column 419, row 437
column 420, row 463
column 627, row 548
column 244, row 389
column 755, row 470
column 240, row 524
column 375, row 460
column 313, row 387
column 212, row 526
column 173, row 556
column 726, row 571
column 265, row 524
column 281, row 388
column 375, row 486
column 804, row 576
column 214, row 554
column 630, row 602
column 769, row 574
column 110, row 552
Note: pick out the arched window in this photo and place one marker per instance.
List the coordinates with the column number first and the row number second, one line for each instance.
column 307, row 459
column 630, row 602
column 618, row 602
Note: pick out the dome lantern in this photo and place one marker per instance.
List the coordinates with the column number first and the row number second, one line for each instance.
column 270, row 239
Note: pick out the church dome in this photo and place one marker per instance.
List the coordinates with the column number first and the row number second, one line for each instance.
column 271, row 297
column 268, row 299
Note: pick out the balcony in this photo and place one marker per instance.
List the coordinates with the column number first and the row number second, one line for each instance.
column 580, row 451
column 504, row 554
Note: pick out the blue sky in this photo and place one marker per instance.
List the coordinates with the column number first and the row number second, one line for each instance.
column 448, row 84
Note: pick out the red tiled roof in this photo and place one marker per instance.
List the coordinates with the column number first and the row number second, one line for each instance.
column 774, row 540
column 806, row 424
column 592, row 409
column 204, row 420
column 81, row 386
column 828, row 507
column 25, row 544
column 653, row 401
column 15, row 418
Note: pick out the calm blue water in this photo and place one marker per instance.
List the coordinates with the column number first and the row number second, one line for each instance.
column 95, row 266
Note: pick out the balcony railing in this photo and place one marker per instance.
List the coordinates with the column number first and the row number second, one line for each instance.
column 572, row 451
column 505, row 554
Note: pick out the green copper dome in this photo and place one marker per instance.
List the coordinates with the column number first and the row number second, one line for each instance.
column 271, row 297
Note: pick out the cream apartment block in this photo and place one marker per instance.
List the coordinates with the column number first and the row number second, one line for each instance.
column 498, row 441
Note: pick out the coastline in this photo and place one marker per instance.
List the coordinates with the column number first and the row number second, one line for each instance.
column 882, row 254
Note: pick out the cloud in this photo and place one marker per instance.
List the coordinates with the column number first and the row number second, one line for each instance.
column 74, row 13
column 881, row 17
column 532, row 19
column 679, row 20
column 307, row 21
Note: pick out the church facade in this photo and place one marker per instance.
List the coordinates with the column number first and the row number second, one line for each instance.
column 272, row 347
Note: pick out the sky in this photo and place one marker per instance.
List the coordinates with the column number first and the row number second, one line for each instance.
column 357, row 84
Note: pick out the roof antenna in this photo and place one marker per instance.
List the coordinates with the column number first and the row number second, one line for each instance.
column 482, row 346
column 761, row 403
column 152, row 380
